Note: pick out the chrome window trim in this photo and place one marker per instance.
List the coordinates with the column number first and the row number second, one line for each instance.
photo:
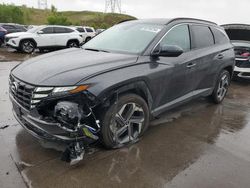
column 168, row 32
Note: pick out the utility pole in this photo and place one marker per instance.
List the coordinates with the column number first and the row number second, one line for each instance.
column 42, row 4
column 113, row 6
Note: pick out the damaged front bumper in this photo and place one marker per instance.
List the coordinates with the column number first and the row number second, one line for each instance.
column 52, row 131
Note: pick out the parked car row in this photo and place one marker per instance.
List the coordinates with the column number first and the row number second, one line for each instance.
column 6, row 28
column 44, row 37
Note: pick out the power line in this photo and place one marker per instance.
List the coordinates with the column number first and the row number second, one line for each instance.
column 42, row 4
column 113, row 6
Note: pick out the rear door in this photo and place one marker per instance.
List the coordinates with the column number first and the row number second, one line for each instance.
column 62, row 35
column 204, row 54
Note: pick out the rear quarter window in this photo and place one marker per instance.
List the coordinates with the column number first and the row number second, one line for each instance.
column 201, row 36
column 219, row 36
column 89, row 30
column 81, row 30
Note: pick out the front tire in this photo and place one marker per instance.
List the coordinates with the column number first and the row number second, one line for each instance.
column 28, row 46
column 124, row 121
column 221, row 87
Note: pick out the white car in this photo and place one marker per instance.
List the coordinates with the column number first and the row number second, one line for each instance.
column 86, row 32
column 44, row 37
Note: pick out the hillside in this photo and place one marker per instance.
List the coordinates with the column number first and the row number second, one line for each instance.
column 95, row 19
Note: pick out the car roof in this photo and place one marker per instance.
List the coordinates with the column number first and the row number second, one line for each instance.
column 165, row 21
column 236, row 26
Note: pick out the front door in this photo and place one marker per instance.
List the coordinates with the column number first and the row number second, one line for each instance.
column 179, row 83
column 45, row 39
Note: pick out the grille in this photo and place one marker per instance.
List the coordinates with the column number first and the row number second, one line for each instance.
column 21, row 92
column 26, row 94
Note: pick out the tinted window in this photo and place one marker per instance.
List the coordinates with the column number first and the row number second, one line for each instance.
column 47, row 30
column 89, row 30
column 179, row 36
column 238, row 34
column 81, row 30
column 20, row 28
column 201, row 36
column 219, row 36
column 62, row 30
column 8, row 27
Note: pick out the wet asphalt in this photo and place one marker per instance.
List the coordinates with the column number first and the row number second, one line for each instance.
column 196, row 145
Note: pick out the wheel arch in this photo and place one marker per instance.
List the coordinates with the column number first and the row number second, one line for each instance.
column 88, row 38
column 139, row 88
column 31, row 39
column 74, row 39
column 230, row 70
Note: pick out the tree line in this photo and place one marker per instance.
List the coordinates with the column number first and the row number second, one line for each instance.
column 20, row 15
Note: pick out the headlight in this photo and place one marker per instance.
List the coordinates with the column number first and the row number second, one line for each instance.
column 69, row 90
column 42, row 92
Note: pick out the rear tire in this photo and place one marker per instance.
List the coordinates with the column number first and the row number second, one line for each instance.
column 73, row 44
column 221, row 87
column 27, row 46
column 124, row 121
column 87, row 39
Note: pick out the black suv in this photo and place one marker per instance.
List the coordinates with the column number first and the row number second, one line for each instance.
column 109, row 89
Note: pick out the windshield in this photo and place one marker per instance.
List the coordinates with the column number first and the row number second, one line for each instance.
column 126, row 37
column 34, row 29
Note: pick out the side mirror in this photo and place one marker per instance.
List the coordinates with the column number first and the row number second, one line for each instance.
column 40, row 32
column 168, row 51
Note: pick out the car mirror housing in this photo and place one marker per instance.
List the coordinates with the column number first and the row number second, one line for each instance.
column 40, row 32
column 168, row 51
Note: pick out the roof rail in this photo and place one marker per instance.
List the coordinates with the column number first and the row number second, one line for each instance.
column 194, row 19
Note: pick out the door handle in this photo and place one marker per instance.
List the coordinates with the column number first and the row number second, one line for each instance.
column 220, row 56
column 190, row 65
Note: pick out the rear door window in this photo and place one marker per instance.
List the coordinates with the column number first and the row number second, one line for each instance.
column 179, row 36
column 202, row 36
column 62, row 30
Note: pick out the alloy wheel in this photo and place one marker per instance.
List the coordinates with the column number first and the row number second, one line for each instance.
column 73, row 45
column 28, row 47
column 222, row 87
column 127, row 123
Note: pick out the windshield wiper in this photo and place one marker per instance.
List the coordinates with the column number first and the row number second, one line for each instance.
column 96, row 50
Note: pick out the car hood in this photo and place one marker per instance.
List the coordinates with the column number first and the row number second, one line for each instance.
column 18, row 34
column 68, row 67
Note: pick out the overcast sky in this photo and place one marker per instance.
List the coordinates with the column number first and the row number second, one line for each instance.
column 220, row 11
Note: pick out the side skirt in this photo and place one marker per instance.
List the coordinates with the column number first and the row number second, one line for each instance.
column 181, row 100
